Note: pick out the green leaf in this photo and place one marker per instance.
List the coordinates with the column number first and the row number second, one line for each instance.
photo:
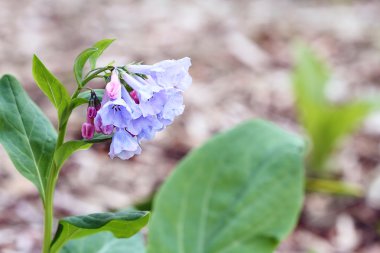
column 101, row 46
column 334, row 187
column 79, row 63
column 67, row 149
column 105, row 242
column 325, row 123
column 26, row 134
column 240, row 192
column 122, row 224
column 50, row 86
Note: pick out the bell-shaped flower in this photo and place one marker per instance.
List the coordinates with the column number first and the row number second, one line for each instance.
column 145, row 88
column 145, row 127
column 168, row 73
column 118, row 112
column 124, row 145
column 172, row 108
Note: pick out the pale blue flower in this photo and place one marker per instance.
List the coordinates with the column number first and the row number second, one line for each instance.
column 168, row 73
column 118, row 112
column 124, row 145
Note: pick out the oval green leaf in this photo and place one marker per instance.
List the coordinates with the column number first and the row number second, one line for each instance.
column 26, row 134
column 105, row 242
column 100, row 46
column 50, row 86
column 241, row 192
column 79, row 63
column 121, row 224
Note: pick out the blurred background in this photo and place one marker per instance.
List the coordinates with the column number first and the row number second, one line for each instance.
column 242, row 54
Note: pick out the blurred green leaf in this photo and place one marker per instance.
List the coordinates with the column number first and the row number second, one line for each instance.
column 100, row 46
column 105, row 242
column 122, row 225
column 333, row 187
column 50, row 86
column 80, row 62
column 67, row 149
column 26, row 134
column 324, row 122
column 240, row 192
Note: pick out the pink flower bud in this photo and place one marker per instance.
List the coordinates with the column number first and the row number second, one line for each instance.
column 134, row 96
column 98, row 106
column 107, row 130
column 88, row 130
column 91, row 112
column 113, row 88
column 99, row 128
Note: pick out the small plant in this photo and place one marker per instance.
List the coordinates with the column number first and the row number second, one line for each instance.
column 231, row 195
column 325, row 122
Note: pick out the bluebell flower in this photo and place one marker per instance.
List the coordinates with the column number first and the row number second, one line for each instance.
column 146, row 127
column 124, row 145
column 118, row 112
column 172, row 108
column 168, row 73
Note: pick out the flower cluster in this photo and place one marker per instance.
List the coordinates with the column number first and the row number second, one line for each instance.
column 140, row 100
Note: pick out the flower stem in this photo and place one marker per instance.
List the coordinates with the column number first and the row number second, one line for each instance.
column 49, row 194
column 49, row 214
column 95, row 74
column 54, row 170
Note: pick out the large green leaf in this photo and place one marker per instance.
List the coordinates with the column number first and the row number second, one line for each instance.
column 67, row 149
column 105, row 242
column 122, row 224
column 100, row 46
column 80, row 62
column 51, row 86
column 325, row 122
column 26, row 134
column 240, row 192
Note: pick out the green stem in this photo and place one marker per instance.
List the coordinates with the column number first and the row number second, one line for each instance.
column 95, row 74
column 49, row 213
column 49, row 198
column 54, row 170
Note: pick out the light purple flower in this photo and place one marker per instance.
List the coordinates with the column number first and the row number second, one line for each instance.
column 118, row 112
column 146, row 127
column 172, row 108
column 145, row 88
column 168, row 73
column 124, row 145
column 154, row 102
column 101, row 128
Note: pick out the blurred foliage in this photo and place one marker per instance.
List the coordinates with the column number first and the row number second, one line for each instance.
column 325, row 122
column 333, row 187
